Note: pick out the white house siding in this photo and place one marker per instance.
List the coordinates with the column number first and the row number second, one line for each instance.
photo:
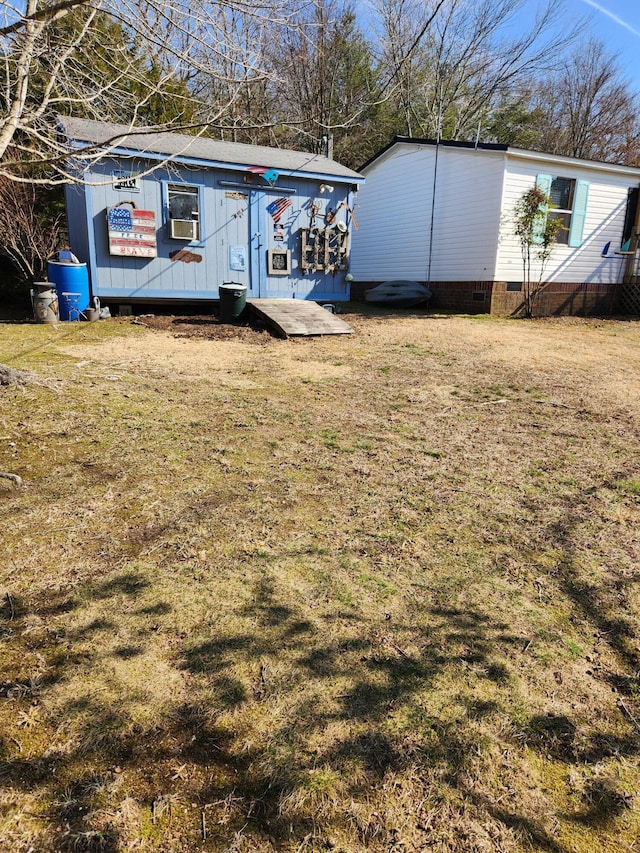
column 393, row 212
column 467, row 214
column 604, row 221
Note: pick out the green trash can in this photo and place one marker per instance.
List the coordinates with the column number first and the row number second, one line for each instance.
column 233, row 301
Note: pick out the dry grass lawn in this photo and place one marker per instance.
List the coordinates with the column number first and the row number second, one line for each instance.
column 375, row 592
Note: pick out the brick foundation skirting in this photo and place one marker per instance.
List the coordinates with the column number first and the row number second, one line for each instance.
column 488, row 297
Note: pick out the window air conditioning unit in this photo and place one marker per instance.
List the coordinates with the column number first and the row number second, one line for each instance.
column 183, row 229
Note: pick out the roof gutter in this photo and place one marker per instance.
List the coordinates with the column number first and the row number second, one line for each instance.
column 615, row 168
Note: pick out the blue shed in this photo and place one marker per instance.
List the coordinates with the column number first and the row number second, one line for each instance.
column 164, row 216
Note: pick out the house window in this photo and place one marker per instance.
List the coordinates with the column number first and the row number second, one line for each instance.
column 630, row 214
column 569, row 199
column 561, row 194
column 183, row 212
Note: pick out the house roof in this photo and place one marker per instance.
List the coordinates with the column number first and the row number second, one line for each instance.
column 449, row 143
column 199, row 149
column 509, row 151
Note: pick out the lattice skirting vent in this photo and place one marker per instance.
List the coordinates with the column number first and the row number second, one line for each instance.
column 629, row 298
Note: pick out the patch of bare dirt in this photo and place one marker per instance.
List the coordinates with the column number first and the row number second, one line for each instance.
column 199, row 346
column 204, row 326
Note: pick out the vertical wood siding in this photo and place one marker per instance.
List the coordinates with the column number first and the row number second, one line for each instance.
column 225, row 222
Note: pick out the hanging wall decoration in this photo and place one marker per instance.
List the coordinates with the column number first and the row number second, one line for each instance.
column 278, row 262
column 238, row 258
column 269, row 175
column 278, row 207
column 132, row 232
column 314, row 210
column 350, row 211
column 125, row 180
column 185, row 256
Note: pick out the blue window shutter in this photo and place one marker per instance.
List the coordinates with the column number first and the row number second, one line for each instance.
column 543, row 182
column 578, row 214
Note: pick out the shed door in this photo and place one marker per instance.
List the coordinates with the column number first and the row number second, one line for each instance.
column 258, row 237
column 235, row 241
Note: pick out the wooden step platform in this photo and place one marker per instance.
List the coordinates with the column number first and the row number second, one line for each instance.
column 298, row 317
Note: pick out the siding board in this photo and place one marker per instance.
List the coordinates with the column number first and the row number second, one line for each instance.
column 394, row 213
column 233, row 213
column 604, row 222
column 474, row 242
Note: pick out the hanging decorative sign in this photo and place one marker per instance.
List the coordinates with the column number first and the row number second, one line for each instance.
column 271, row 176
column 125, row 181
column 132, row 232
column 278, row 207
column 238, row 258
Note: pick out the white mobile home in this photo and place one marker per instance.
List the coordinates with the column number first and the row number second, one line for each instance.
column 443, row 214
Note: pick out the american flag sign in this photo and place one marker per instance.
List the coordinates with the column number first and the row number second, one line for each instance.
column 278, row 207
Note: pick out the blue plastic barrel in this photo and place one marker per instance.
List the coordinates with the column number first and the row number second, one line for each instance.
column 71, row 279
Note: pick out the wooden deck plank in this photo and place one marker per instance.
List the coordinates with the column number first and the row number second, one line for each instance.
column 293, row 317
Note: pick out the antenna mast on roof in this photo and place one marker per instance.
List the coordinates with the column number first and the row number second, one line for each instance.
column 435, row 177
column 327, row 145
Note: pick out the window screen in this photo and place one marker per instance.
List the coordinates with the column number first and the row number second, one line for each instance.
column 183, row 202
column 561, row 193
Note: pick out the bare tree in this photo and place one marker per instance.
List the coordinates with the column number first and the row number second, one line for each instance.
column 32, row 223
column 467, row 58
column 402, row 25
column 326, row 85
column 587, row 108
column 47, row 68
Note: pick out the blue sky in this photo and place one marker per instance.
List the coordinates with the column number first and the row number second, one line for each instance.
column 617, row 24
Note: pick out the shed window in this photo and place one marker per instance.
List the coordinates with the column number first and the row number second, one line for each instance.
column 183, row 208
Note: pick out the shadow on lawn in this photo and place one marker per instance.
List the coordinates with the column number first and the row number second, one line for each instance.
column 277, row 790
column 606, row 606
column 277, row 787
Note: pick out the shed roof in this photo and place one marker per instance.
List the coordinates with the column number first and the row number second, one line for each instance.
column 180, row 147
